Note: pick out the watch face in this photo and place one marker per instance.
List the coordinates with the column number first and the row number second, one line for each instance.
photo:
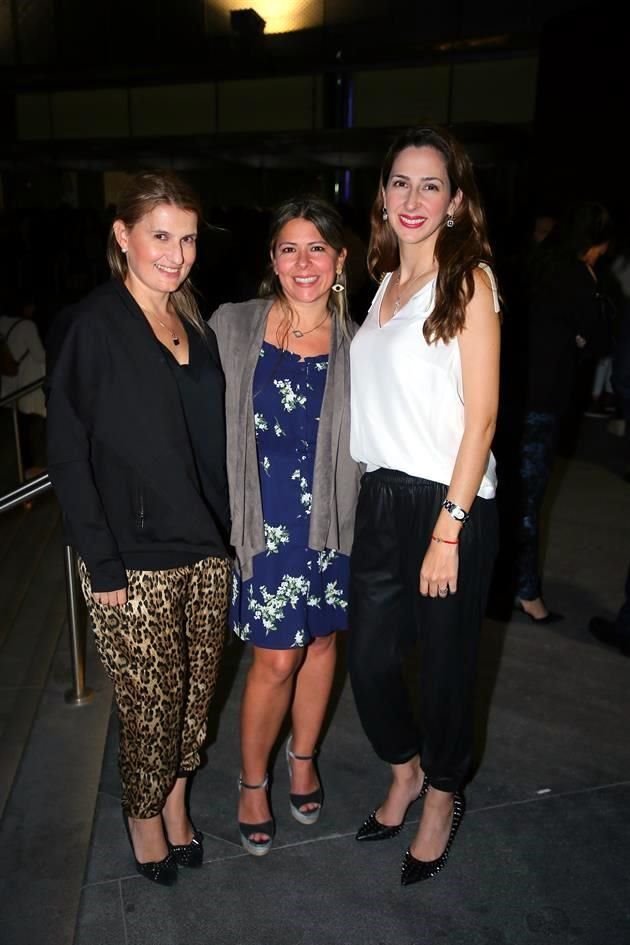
column 454, row 511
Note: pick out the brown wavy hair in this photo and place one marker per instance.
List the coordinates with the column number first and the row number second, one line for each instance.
column 329, row 224
column 458, row 250
column 142, row 194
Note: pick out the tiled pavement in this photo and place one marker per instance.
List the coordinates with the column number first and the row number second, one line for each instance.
column 543, row 855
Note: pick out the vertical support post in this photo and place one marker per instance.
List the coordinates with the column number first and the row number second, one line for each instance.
column 18, row 445
column 79, row 694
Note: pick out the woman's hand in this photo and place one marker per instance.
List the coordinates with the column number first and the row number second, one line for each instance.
column 438, row 573
column 111, row 598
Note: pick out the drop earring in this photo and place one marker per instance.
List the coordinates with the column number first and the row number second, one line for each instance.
column 385, row 215
column 450, row 222
column 338, row 286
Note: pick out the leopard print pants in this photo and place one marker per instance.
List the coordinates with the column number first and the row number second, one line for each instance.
column 162, row 651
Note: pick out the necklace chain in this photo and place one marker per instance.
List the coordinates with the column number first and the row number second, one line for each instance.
column 174, row 336
column 300, row 334
column 407, row 284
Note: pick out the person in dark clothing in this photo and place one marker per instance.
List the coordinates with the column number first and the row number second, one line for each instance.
column 564, row 324
column 136, row 451
column 620, row 270
column 615, row 632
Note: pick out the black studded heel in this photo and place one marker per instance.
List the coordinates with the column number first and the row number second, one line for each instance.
column 256, row 847
column 373, row 829
column 188, row 854
column 299, row 800
column 163, row 872
column 416, row 871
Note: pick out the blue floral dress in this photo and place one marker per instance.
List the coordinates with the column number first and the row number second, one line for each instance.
column 295, row 594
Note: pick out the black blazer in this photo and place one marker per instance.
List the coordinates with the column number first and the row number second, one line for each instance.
column 119, row 453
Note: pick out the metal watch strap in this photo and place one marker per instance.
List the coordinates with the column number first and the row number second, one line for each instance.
column 456, row 511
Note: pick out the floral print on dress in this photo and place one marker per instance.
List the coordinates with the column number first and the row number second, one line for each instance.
column 295, row 593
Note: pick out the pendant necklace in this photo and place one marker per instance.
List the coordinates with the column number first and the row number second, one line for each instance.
column 300, row 334
column 174, row 337
column 407, row 284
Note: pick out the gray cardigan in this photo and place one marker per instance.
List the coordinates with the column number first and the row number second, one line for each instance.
column 240, row 329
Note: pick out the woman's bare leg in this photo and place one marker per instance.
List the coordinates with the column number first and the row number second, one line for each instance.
column 435, row 826
column 312, row 692
column 176, row 821
column 407, row 781
column 266, row 699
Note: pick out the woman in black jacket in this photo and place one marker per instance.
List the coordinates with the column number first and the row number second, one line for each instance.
column 136, row 447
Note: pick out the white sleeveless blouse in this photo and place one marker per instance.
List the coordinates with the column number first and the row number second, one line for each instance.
column 407, row 400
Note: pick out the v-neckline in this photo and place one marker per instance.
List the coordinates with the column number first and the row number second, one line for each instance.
column 384, row 285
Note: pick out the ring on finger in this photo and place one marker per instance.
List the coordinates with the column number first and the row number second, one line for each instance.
column 442, row 591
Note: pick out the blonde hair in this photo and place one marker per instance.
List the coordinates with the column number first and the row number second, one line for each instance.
column 144, row 192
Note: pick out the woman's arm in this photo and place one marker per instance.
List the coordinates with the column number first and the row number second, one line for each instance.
column 479, row 345
column 72, row 391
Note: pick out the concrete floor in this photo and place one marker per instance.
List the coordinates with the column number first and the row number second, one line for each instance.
column 543, row 855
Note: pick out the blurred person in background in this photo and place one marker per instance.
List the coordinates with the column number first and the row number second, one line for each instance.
column 28, row 364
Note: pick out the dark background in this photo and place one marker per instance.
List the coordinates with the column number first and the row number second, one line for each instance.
column 58, row 186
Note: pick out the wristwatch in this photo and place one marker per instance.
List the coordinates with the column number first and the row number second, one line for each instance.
column 455, row 511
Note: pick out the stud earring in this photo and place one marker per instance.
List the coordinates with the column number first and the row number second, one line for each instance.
column 450, row 222
column 385, row 215
column 338, row 286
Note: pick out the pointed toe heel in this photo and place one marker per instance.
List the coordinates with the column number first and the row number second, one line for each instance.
column 247, row 831
column 416, row 871
column 163, row 872
column 373, row 829
column 296, row 801
column 552, row 616
column 189, row 855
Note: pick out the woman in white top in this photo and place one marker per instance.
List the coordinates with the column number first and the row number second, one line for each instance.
column 424, row 382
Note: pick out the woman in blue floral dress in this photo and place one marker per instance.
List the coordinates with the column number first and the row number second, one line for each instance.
column 293, row 488
column 296, row 594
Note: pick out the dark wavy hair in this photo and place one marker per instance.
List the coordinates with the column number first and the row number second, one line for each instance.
column 142, row 194
column 329, row 224
column 459, row 249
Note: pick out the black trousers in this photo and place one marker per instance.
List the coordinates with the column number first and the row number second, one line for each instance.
column 396, row 517
column 536, row 462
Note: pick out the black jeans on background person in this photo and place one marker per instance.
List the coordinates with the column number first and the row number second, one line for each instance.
column 396, row 515
column 621, row 372
column 536, row 461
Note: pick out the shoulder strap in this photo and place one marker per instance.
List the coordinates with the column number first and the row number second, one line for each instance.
column 493, row 285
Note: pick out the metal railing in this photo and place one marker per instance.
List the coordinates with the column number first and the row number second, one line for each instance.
column 78, row 694
column 11, row 400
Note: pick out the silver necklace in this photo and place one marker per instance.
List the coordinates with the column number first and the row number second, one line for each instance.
column 174, row 337
column 300, row 334
column 407, row 284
